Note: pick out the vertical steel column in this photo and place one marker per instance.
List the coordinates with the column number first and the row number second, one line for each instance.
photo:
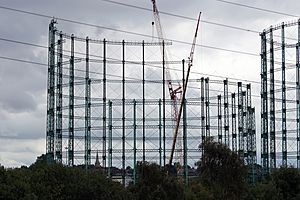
column 245, row 128
column 87, row 155
column 58, row 147
column 109, row 138
column 51, row 93
column 248, row 137
column 284, row 131
column 252, row 140
column 164, row 103
column 264, row 104
column 71, row 106
column 144, row 109
column 219, row 119
column 272, row 105
column 134, row 141
column 240, row 121
column 226, row 113
column 254, row 149
column 298, row 95
column 184, row 125
column 123, row 113
column 202, row 111
column 185, row 149
column 104, row 107
column 207, row 117
column 234, row 138
column 159, row 132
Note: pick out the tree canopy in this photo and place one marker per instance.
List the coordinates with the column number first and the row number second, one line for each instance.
column 221, row 175
column 156, row 184
column 222, row 170
column 41, row 181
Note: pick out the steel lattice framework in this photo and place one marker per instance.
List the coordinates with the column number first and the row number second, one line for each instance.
column 110, row 98
column 280, row 96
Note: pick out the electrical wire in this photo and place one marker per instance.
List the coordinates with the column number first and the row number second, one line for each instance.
column 132, row 62
column 202, row 21
column 160, row 67
column 24, row 43
column 182, row 16
column 114, row 59
column 257, row 8
column 127, row 32
column 91, row 72
column 23, row 61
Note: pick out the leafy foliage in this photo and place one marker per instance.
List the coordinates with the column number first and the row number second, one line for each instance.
column 287, row 181
column 283, row 183
column 222, row 170
column 41, row 181
column 196, row 190
column 155, row 183
column 222, row 175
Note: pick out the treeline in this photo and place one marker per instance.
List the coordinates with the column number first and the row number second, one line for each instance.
column 42, row 181
column 220, row 175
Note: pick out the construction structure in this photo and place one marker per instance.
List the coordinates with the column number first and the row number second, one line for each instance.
column 280, row 96
column 111, row 98
column 175, row 93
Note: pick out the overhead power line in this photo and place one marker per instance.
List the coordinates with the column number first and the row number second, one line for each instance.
column 194, row 19
column 23, row 61
column 257, row 8
column 114, row 59
column 182, row 16
column 127, row 32
column 92, row 72
column 172, row 69
column 46, row 65
column 24, row 43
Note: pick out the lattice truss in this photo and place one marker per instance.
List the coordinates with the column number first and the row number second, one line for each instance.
column 280, row 95
column 109, row 97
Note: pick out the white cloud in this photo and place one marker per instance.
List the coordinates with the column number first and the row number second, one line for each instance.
column 17, row 152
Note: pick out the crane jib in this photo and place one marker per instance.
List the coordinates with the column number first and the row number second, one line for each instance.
column 173, row 93
column 183, row 93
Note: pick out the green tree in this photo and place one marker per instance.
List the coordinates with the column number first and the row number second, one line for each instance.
column 55, row 181
column 14, row 184
column 282, row 183
column 196, row 190
column 221, row 170
column 264, row 190
column 287, row 181
column 59, row 182
column 155, row 183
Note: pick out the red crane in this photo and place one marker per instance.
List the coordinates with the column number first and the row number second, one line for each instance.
column 173, row 92
column 190, row 64
column 160, row 35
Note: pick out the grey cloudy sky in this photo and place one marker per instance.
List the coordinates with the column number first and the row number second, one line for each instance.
column 23, row 86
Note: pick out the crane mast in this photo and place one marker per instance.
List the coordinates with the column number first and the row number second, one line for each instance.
column 173, row 92
column 160, row 35
column 190, row 64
